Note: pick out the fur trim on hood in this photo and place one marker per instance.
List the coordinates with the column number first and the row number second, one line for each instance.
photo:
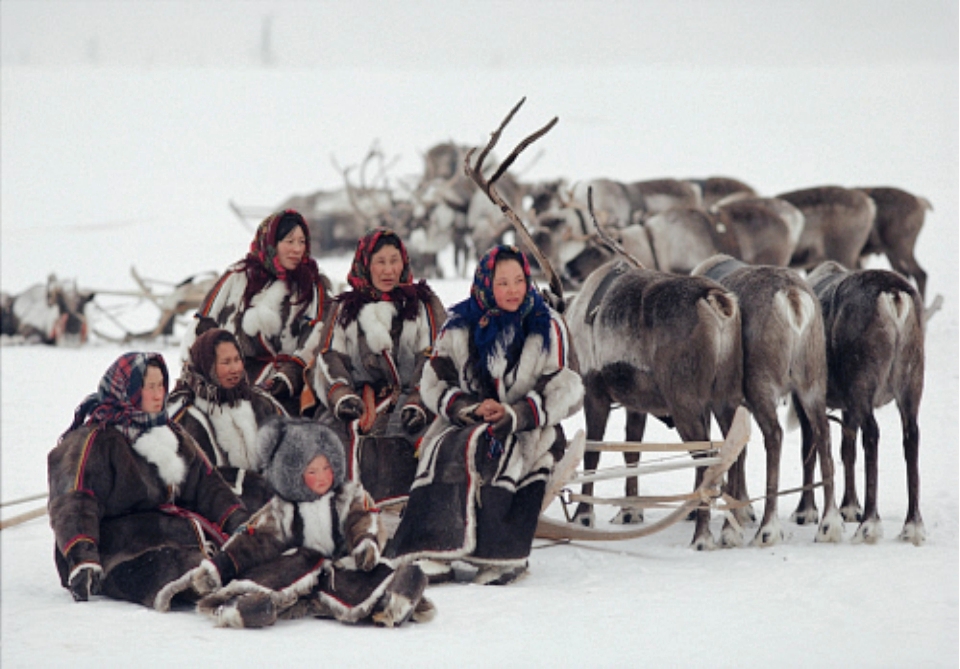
column 287, row 445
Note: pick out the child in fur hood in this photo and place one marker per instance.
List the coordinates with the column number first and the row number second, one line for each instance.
column 313, row 550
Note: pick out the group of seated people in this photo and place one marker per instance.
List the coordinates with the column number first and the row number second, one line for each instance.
column 253, row 490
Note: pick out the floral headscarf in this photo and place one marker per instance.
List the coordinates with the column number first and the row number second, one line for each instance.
column 406, row 294
column 199, row 377
column 118, row 397
column 262, row 265
column 492, row 327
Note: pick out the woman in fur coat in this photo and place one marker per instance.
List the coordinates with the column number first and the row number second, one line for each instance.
column 134, row 504
column 500, row 381
column 217, row 406
column 273, row 301
column 313, row 550
column 367, row 372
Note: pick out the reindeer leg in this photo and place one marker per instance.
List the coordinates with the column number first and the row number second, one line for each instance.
column 732, row 533
column 770, row 532
column 806, row 512
column 850, row 507
column 813, row 421
column 636, row 424
column 871, row 529
column 596, row 408
column 913, row 529
column 696, row 427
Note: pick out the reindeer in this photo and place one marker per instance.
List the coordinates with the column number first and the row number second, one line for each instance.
column 50, row 314
column 714, row 189
column 897, row 224
column 874, row 324
column 837, row 223
column 784, row 353
column 762, row 231
column 656, row 343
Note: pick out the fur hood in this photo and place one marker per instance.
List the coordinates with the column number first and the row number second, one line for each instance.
column 287, row 445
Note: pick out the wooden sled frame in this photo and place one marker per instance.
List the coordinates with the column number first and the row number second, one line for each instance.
column 707, row 492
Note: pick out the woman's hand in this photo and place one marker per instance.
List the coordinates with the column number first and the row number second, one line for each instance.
column 490, row 411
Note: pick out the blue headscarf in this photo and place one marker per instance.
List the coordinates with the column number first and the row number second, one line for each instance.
column 492, row 327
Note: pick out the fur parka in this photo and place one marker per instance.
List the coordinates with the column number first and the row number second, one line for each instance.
column 146, row 512
column 276, row 343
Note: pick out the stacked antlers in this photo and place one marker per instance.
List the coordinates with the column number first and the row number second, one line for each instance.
column 475, row 172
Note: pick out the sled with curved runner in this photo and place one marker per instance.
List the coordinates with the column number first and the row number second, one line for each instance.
column 716, row 456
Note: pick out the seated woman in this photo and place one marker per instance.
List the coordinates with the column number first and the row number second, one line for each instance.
column 217, row 406
column 500, row 383
column 367, row 371
column 313, row 550
column 273, row 301
column 134, row 504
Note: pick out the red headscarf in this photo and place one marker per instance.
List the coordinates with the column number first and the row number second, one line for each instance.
column 262, row 266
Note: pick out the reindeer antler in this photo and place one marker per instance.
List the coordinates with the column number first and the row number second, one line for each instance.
column 605, row 237
column 475, row 172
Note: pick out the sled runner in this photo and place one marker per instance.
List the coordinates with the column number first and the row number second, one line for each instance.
column 717, row 456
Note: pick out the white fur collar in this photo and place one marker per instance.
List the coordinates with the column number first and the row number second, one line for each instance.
column 263, row 314
column 375, row 320
column 235, row 431
column 160, row 446
column 318, row 531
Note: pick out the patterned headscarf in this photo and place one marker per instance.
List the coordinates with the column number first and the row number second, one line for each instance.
column 492, row 327
column 262, row 265
column 199, row 377
column 406, row 294
column 118, row 397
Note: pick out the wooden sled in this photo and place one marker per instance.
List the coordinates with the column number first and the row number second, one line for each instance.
column 718, row 457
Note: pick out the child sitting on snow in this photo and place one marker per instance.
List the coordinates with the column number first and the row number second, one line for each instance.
column 313, row 550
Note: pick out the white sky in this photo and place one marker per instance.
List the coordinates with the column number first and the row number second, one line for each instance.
column 426, row 34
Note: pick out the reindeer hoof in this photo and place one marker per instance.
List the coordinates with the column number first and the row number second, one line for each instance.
column 831, row 528
column 805, row 516
column 852, row 513
column 585, row 518
column 869, row 532
column 770, row 534
column 730, row 537
column 628, row 516
column 704, row 542
column 914, row 532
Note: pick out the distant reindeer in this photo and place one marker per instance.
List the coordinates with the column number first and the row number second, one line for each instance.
column 51, row 313
column 714, row 189
column 784, row 354
column 874, row 325
column 895, row 230
column 837, row 223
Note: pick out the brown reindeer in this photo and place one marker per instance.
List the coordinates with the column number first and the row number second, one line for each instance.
column 837, row 223
column 873, row 320
column 714, row 189
column 895, row 230
column 51, row 313
column 656, row 343
column 784, row 354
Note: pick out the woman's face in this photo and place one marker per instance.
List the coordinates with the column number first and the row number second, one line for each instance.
column 386, row 266
column 319, row 475
column 290, row 249
column 509, row 285
column 154, row 392
column 229, row 365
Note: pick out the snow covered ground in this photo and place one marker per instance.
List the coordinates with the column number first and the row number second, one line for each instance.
column 107, row 167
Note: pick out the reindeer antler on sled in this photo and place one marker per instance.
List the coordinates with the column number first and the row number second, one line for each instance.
column 717, row 457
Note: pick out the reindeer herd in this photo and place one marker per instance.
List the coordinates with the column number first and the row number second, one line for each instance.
column 694, row 297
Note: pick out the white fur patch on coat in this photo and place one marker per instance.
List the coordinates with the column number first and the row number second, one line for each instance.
column 375, row 319
column 159, row 446
column 318, row 525
column 234, row 432
column 263, row 315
